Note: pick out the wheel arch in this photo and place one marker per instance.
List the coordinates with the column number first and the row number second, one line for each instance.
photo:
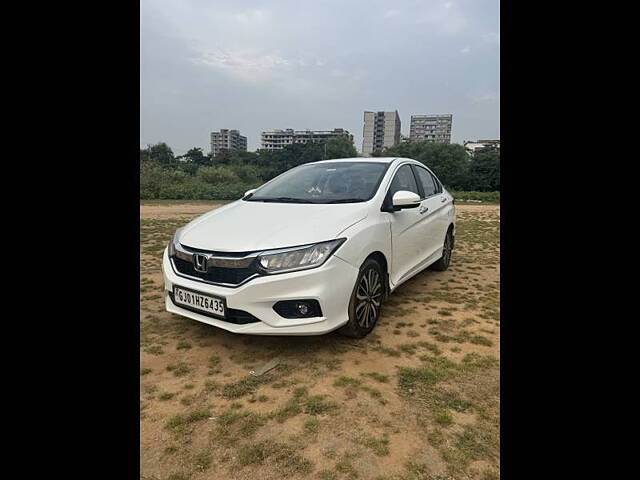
column 382, row 260
column 452, row 229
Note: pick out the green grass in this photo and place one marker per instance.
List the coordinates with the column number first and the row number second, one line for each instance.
column 233, row 426
column 290, row 409
column 242, row 387
column 179, row 369
column 327, row 475
column 317, row 404
column 311, row 425
column 347, row 381
column 377, row 377
column 154, row 350
column 462, row 197
column 178, row 422
column 442, row 417
column 282, row 456
column 480, row 340
column 411, row 379
column 163, row 397
column 202, row 460
column 345, row 467
column 178, row 476
column 379, row 446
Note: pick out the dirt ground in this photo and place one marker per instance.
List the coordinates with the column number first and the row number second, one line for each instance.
column 417, row 399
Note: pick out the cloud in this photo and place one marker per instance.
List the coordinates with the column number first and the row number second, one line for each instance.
column 246, row 66
column 446, row 17
column 491, row 38
column 252, row 18
column 485, row 97
column 255, row 65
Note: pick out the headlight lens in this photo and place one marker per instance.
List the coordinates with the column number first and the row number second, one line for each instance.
column 173, row 241
column 298, row 258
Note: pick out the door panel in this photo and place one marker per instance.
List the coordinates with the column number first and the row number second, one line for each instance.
column 432, row 225
column 406, row 241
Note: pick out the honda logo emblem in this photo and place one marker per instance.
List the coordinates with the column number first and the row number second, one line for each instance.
column 200, row 262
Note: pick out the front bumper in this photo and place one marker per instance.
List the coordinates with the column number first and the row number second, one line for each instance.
column 331, row 284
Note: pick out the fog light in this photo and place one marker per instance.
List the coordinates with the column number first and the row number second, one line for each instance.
column 298, row 308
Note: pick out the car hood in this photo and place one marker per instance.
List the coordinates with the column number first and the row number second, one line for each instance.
column 249, row 226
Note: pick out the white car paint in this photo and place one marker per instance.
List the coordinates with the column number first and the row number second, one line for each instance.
column 410, row 240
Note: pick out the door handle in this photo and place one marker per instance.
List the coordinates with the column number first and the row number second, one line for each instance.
column 443, row 199
column 423, row 210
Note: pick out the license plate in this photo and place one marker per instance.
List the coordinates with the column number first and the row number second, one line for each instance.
column 199, row 301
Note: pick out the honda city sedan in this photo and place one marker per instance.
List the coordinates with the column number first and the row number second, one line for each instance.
column 316, row 249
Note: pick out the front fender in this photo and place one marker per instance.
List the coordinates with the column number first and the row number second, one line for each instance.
column 365, row 238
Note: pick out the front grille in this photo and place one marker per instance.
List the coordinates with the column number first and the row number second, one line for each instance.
column 230, row 276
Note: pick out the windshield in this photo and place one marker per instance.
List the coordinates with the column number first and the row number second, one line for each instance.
column 331, row 182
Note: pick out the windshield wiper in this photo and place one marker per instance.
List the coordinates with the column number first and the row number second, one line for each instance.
column 282, row 200
column 346, row 200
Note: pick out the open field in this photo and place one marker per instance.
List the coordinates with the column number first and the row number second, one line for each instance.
column 418, row 399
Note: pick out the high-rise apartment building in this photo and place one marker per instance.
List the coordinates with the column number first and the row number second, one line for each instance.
column 227, row 139
column 278, row 139
column 381, row 130
column 432, row 128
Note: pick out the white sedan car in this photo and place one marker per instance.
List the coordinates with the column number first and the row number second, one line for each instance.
column 315, row 249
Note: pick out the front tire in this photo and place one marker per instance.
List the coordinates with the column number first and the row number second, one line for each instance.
column 366, row 300
column 442, row 264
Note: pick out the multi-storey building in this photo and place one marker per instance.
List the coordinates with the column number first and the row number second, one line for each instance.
column 474, row 146
column 432, row 128
column 278, row 139
column 227, row 139
column 381, row 130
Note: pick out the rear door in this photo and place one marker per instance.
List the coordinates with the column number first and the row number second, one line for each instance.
column 436, row 207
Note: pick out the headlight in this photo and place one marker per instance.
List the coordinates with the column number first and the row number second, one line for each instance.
column 298, row 258
column 173, row 241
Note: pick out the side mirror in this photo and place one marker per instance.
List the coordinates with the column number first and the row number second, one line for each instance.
column 405, row 199
column 248, row 192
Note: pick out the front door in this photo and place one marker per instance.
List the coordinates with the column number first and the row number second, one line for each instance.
column 407, row 242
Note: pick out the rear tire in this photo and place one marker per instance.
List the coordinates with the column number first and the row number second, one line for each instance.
column 366, row 300
column 442, row 264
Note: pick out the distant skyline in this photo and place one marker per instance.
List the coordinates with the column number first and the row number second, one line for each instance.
column 257, row 65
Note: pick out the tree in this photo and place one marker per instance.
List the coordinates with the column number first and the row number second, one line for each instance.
column 484, row 171
column 340, row 147
column 196, row 157
column 159, row 153
column 450, row 162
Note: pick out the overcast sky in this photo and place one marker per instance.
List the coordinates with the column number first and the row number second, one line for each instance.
column 261, row 65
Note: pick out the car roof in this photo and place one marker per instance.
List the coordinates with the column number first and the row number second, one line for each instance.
column 364, row 159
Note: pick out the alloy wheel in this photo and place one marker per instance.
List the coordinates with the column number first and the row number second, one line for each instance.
column 369, row 297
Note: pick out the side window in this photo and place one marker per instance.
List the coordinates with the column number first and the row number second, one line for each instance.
column 428, row 184
column 404, row 180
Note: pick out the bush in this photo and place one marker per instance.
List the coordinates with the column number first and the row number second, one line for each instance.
column 220, row 174
column 479, row 197
column 230, row 174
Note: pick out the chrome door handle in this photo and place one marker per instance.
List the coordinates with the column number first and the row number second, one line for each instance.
column 423, row 210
